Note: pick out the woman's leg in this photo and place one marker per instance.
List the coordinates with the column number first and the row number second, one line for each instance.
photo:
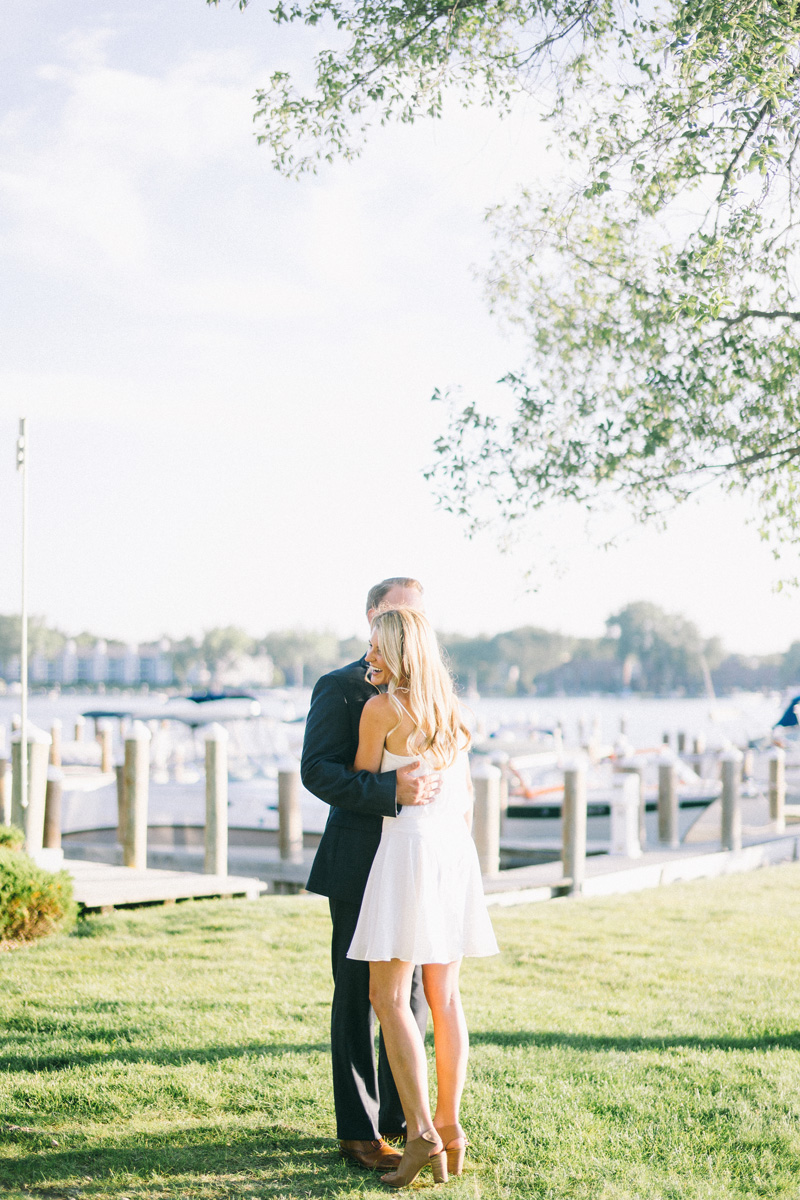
column 390, row 993
column 450, row 1038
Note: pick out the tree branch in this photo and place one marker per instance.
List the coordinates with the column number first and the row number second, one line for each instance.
column 745, row 315
column 762, row 112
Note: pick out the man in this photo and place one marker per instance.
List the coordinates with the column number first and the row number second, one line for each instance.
column 366, row 1100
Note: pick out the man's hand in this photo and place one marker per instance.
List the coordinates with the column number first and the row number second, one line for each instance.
column 416, row 789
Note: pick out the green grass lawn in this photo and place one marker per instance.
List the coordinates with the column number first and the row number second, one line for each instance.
column 640, row 1046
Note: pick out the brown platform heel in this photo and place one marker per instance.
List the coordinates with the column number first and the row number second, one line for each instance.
column 455, row 1146
column 417, row 1155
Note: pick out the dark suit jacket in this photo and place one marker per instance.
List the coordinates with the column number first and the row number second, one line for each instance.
column 359, row 800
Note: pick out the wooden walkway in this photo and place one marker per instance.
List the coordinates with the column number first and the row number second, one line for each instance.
column 253, row 862
column 613, row 874
column 104, row 887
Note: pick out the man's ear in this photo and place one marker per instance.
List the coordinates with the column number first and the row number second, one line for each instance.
column 370, row 614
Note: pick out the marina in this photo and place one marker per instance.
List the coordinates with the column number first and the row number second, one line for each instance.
column 255, row 827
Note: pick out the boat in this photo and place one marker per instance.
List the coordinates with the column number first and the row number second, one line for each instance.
column 788, row 724
column 536, row 782
column 258, row 743
column 194, row 710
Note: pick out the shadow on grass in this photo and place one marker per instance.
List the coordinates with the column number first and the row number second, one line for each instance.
column 601, row 1042
column 14, row 1059
column 109, row 1053
column 201, row 1161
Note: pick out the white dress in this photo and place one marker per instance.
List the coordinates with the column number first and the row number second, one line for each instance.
column 424, row 901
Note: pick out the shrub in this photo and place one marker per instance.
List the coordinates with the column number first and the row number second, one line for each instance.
column 11, row 837
column 33, row 902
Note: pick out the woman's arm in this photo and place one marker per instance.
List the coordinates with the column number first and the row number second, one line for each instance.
column 326, row 765
column 377, row 718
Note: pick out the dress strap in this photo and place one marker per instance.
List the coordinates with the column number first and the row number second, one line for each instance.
column 405, row 710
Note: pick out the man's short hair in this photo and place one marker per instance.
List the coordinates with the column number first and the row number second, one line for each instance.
column 377, row 594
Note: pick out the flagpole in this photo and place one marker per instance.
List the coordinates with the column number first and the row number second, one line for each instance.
column 22, row 465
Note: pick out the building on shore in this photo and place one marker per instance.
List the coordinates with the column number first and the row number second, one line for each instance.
column 97, row 663
column 110, row 664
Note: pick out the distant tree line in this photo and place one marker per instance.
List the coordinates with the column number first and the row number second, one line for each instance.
column 644, row 649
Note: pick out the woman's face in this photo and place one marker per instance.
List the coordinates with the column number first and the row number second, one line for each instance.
column 378, row 671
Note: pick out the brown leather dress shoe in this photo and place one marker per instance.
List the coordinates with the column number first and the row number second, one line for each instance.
column 374, row 1155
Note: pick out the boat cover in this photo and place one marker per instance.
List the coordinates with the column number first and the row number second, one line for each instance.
column 789, row 718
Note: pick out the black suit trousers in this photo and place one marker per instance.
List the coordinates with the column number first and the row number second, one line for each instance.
column 365, row 1098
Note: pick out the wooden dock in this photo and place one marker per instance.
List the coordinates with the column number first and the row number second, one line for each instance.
column 256, row 862
column 100, row 886
column 104, row 886
column 613, row 874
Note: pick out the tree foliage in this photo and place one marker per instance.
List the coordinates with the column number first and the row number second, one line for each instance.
column 394, row 61
column 656, row 287
column 654, row 283
column 302, row 656
column 223, row 643
column 662, row 651
column 41, row 639
column 508, row 662
column 790, row 666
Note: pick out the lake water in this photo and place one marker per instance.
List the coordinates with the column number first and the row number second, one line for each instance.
column 734, row 719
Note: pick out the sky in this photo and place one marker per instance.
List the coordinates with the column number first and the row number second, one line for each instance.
column 227, row 375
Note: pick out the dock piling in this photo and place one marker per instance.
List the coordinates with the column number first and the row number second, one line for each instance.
column 625, row 816
column 777, row 788
column 52, row 808
column 731, row 764
column 573, row 827
column 486, row 819
column 136, row 793
column 699, row 754
column 122, row 818
column 104, row 738
column 55, row 742
column 668, row 802
column 290, row 817
column 635, row 765
column 216, row 836
column 31, row 818
column 500, row 760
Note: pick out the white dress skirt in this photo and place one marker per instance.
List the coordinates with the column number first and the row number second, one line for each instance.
column 424, row 900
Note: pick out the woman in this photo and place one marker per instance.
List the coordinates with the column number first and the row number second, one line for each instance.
column 424, row 899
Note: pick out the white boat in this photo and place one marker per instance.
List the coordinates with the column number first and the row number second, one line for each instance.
column 201, row 708
column 252, row 805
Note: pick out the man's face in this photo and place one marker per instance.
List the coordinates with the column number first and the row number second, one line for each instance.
column 400, row 597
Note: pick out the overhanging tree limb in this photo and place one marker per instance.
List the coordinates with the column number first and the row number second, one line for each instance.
column 656, row 291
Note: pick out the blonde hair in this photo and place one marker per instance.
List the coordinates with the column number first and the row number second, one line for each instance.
column 412, row 655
